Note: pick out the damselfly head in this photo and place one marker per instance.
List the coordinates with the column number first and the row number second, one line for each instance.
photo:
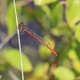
column 21, row 29
column 21, row 24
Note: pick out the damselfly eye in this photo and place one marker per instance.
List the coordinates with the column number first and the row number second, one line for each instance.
column 21, row 24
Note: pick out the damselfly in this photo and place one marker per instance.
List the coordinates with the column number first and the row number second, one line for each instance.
column 23, row 27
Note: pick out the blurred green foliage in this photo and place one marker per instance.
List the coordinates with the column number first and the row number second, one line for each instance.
column 64, row 73
column 13, row 53
column 64, row 37
column 10, row 19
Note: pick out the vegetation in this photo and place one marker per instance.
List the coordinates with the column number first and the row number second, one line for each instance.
column 58, row 22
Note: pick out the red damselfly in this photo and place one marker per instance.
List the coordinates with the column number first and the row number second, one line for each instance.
column 23, row 27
